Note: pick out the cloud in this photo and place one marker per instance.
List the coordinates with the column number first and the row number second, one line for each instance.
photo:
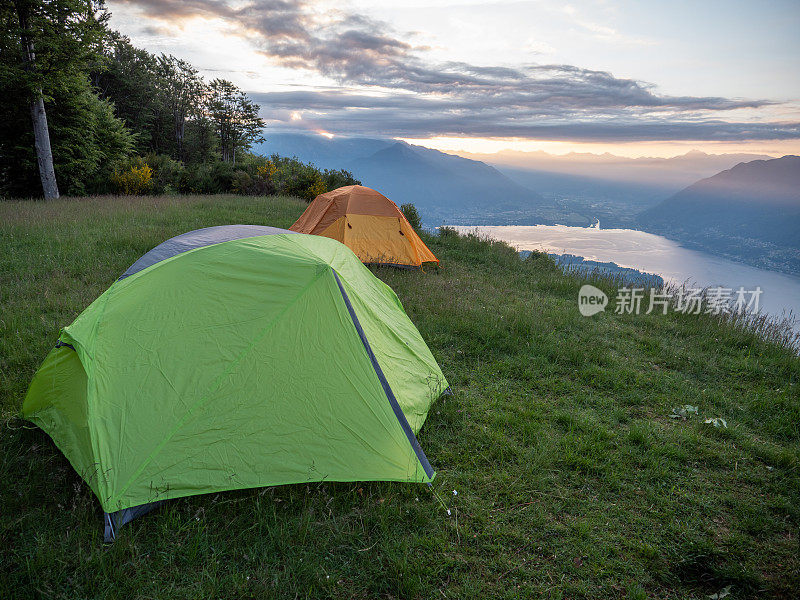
column 157, row 30
column 417, row 116
column 410, row 96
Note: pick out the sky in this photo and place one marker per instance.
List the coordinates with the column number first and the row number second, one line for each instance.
column 631, row 78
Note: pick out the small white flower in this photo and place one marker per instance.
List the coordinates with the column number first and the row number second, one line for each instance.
column 455, row 493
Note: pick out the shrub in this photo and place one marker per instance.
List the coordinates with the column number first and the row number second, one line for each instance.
column 542, row 261
column 133, row 180
column 412, row 215
column 295, row 178
column 306, row 181
column 448, row 232
column 167, row 173
column 219, row 178
column 242, row 182
column 316, row 188
column 337, row 179
column 191, row 181
column 266, row 171
column 264, row 181
column 255, row 178
column 212, row 178
column 252, row 175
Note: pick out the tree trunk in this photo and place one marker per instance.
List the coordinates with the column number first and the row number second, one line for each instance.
column 180, row 123
column 41, row 133
column 44, row 156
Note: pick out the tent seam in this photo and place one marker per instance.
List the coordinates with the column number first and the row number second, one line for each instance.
column 398, row 412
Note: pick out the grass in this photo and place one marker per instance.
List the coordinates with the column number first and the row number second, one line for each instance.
column 572, row 479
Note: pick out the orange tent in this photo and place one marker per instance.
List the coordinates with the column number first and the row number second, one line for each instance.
column 368, row 223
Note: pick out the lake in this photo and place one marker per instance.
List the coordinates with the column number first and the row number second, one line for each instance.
column 653, row 254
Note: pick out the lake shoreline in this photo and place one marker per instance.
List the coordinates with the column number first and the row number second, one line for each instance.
column 651, row 253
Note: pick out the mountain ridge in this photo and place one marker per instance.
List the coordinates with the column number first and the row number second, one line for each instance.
column 750, row 211
column 443, row 187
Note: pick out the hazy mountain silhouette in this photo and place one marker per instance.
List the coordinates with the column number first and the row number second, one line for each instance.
column 565, row 172
column 575, row 189
column 444, row 187
column 632, row 196
column 750, row 211
column 326, row 153
column 613, row 189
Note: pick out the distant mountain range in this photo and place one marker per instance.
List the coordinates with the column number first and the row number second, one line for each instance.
column 672, row 173
column 521, row 188
column 749, row 212
column 612, row 189
column 445, row 188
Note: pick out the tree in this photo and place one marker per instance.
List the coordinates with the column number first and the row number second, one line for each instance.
column 201, row 141
column 87, row 141
column 235, row 118
column 41, row 132
column 161, row 98
column 128, row 77
column 42, row 44
column 183, row 91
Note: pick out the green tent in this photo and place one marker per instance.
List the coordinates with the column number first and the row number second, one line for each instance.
column 234, row 357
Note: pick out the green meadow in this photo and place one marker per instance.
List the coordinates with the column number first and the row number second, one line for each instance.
column 564, row 472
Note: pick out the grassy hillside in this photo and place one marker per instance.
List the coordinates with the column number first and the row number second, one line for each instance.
column 572, row 479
